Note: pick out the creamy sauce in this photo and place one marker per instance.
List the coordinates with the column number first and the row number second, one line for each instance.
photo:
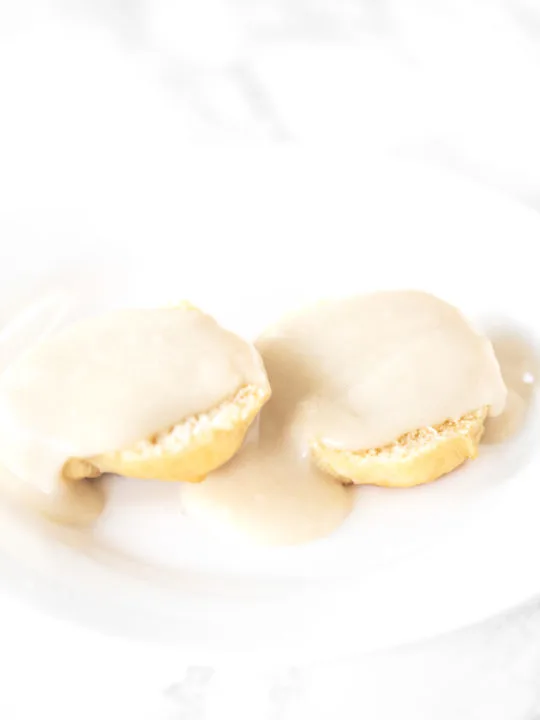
column 77, row 503
column 110, row 381
column 519, row 367
column 271, row 495
column 361, row 372
column 356, row 373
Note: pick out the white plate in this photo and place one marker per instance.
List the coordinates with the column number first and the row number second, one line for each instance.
column 247, row 238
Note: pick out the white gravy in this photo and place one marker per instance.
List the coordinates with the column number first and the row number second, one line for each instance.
column 105, row 383
column 356, row 373
column 519, row 367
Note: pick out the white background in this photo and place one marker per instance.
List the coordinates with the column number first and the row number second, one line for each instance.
column 86, row 84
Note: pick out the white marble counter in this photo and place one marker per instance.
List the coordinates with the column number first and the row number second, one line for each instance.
column 452, row 81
